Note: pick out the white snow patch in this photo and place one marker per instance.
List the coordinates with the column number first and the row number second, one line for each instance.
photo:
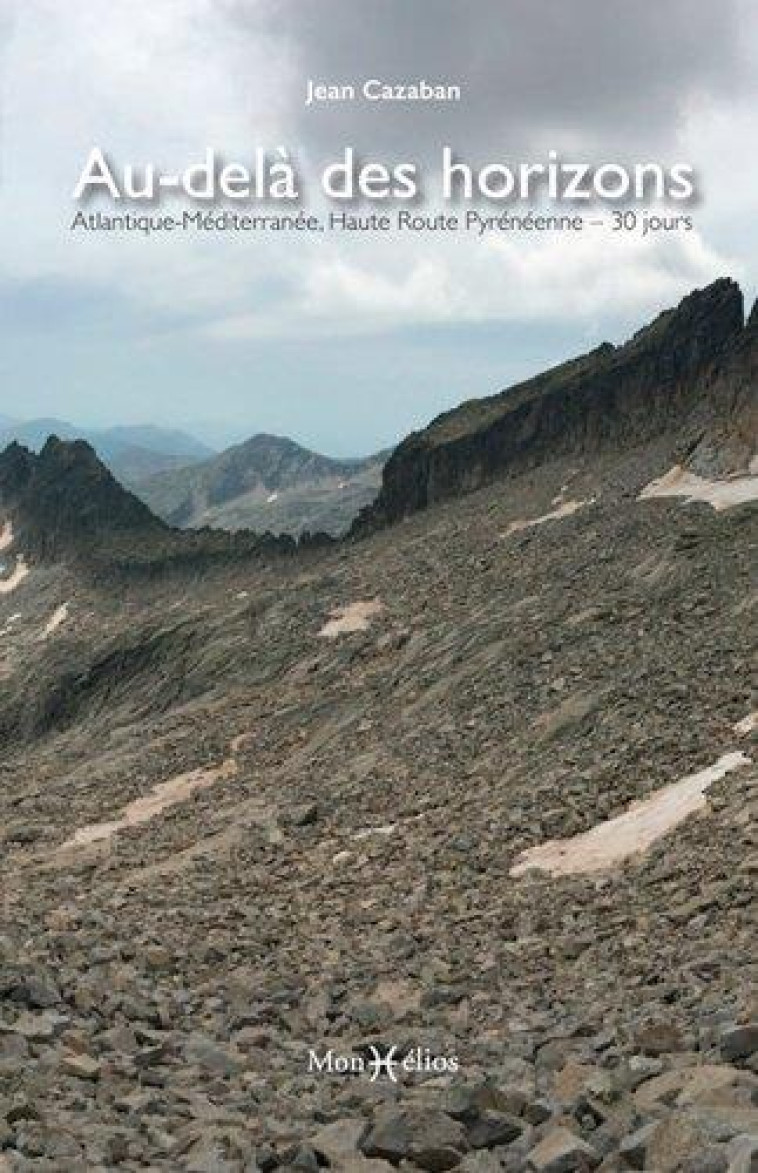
column 352, row 617
column 162, row 796
column 679, row 482
column 557, row 500
column 564, row 510
column 58, row 617
column 15, row 578
column 6, row 536
column 241, row 741
column 747, row 724
column 387, row 829
column 643, row 823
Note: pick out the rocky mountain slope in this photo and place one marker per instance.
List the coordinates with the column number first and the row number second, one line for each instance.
column 611, row 397
column 130, row 452
column 267, row 483
column 268, row 817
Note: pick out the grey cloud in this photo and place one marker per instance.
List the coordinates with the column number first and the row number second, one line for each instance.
column 593, row 72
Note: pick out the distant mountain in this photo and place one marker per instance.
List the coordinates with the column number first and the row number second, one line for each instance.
column 130, row 452
column 131, row 464
column 266, row 483
column 33, row 433
column 155, row 439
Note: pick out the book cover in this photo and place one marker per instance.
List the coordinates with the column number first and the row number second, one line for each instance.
column 378, row 467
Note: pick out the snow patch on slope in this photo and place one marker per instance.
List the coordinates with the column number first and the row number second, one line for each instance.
column 160, row 798
column 722, row 494
column 15, row 578
column 350, row 618
column 566, row 509
column 747, row 725
column 58, row 617
column 614, row 841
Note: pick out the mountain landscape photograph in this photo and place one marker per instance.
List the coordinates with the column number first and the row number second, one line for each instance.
column 378, row 714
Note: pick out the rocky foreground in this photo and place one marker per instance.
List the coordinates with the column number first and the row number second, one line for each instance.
column 324, row 879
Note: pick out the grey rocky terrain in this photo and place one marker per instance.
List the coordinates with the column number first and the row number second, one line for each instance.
column 265, row 804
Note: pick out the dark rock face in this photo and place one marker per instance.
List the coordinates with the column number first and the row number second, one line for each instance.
column 65, row 498
column 724, row 424
column 612, row 396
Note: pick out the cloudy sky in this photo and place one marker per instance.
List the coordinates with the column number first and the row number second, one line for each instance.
column 347, row 343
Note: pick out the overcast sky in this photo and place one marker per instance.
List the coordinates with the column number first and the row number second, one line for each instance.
column 346, row 344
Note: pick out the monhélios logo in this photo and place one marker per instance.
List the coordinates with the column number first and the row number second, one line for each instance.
column 382, row 1063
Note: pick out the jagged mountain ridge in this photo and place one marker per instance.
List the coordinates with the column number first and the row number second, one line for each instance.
column 676, row 367
column 693, row 372
column 65, row 505
column 266, row 483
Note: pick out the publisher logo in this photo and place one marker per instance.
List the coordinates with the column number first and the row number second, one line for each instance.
column 376, row 1063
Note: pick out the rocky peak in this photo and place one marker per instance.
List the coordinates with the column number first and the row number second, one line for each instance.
column 271, row 462
column 16, row 465
column 65, row 499
column 703, row 323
